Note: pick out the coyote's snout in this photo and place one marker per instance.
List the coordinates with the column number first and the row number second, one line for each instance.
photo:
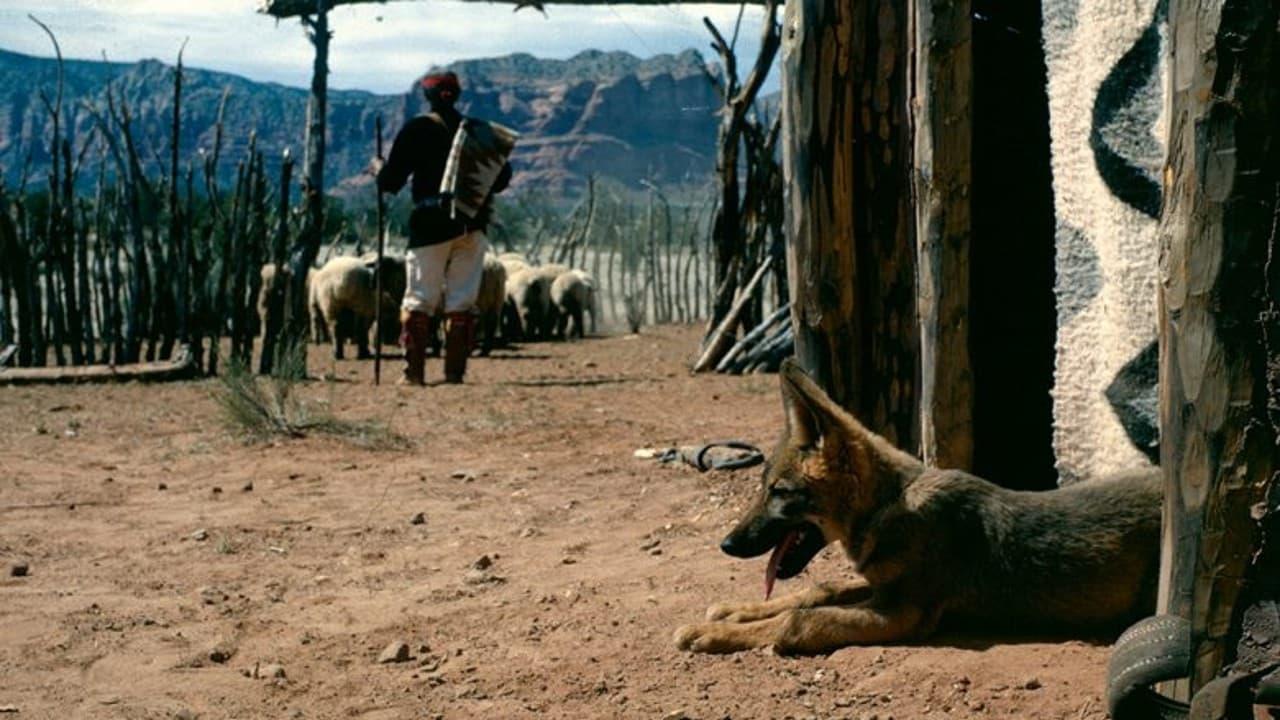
column 777, row 522
column 929, row 545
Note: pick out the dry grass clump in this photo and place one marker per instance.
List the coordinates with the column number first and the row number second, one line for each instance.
column 266, row 409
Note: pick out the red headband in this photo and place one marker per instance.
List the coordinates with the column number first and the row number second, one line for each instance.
column 442, row 81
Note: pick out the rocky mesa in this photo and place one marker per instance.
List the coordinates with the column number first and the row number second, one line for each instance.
column 610, row 114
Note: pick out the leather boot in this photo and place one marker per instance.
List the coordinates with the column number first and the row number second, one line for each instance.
column 457, row 345
column 433, row 335
column 414, row 327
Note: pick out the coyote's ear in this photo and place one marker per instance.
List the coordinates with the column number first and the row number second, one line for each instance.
column 811, row 413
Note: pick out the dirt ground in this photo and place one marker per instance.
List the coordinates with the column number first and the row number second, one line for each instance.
column 169, row 559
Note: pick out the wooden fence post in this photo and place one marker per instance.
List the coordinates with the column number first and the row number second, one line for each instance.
column 1220, row 328
column 943, row 65
column 850, row 222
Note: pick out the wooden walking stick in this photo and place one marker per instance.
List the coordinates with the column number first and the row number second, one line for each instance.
column 377, row 289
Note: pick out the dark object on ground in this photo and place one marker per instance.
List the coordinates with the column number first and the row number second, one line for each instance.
column 713, row 455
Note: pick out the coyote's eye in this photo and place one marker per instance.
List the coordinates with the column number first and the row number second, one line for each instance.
column 788, row 501
column 786, row 491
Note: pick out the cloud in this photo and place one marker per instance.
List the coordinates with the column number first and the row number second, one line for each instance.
column 375, row 47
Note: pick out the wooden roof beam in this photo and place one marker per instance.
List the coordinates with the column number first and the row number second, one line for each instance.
column 297, row 8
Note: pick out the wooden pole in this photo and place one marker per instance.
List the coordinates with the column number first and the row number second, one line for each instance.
column 943, row 173
column 8, row 269
column 377, row 305
column 1220, row 332
column 273, row 336
column 84, row 296
column 307, row 245
column 721, row 339
column 850, row 221
column 177, row 237
column 294, row 8
column 751, row 339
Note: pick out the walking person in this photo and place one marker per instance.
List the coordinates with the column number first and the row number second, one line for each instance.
column 445, row 258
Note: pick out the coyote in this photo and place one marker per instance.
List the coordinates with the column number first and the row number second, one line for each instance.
column 930, row 545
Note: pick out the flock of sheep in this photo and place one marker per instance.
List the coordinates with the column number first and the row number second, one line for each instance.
column 518, row 300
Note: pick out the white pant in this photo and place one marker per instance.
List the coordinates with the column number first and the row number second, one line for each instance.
column 451, row 270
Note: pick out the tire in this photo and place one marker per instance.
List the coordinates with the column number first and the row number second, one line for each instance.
column 1154, row 650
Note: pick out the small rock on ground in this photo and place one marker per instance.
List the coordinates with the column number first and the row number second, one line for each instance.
column 418, row 519
column 221, row 653
column 482, row 577
column 396, row 652
column 19, row 569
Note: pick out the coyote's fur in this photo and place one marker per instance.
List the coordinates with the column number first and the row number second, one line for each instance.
column 930, row 545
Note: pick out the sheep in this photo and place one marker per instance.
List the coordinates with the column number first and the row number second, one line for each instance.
column 571, row 294
column 513, row 262
column 394, row 282
column 593, row 300
column 551, row 271
column 344, row 293
column 528, row 303
column 551, row 320
column 592, row 303
column 491, row 300
column 319, row 332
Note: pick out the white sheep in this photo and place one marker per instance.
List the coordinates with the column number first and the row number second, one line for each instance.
column 344, row 293
column 491, row 300
column 513, row 262
column 528, row 304
column 319, row 332
column 571, row 295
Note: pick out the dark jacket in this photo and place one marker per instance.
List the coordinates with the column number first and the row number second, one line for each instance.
column 421, row 149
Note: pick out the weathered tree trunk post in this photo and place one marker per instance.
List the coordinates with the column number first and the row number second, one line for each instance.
column 851, row 250
column 84, row 300
column 1220, row 331
column 307, row 246
column 8, row 272
column 177, row 237
column 276, row 297
column 942, row 104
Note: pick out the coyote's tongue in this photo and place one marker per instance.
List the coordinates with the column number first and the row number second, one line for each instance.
column 771, row 571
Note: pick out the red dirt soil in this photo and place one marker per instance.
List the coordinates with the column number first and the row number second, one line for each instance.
column 596, row 557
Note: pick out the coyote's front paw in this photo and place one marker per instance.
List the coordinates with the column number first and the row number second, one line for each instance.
column 695, row 638
column 741, row 612
column 719, row 637
column 721, row 611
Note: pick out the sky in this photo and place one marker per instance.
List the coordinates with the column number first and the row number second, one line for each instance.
column 376, row 47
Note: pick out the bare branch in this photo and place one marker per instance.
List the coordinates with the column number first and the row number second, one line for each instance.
column 84, row 150
column 57, row 50
column 737, row 26
column 25, row 175
column 104, row 129
column 770, row 41
column 713, row 79
column 728, row 60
